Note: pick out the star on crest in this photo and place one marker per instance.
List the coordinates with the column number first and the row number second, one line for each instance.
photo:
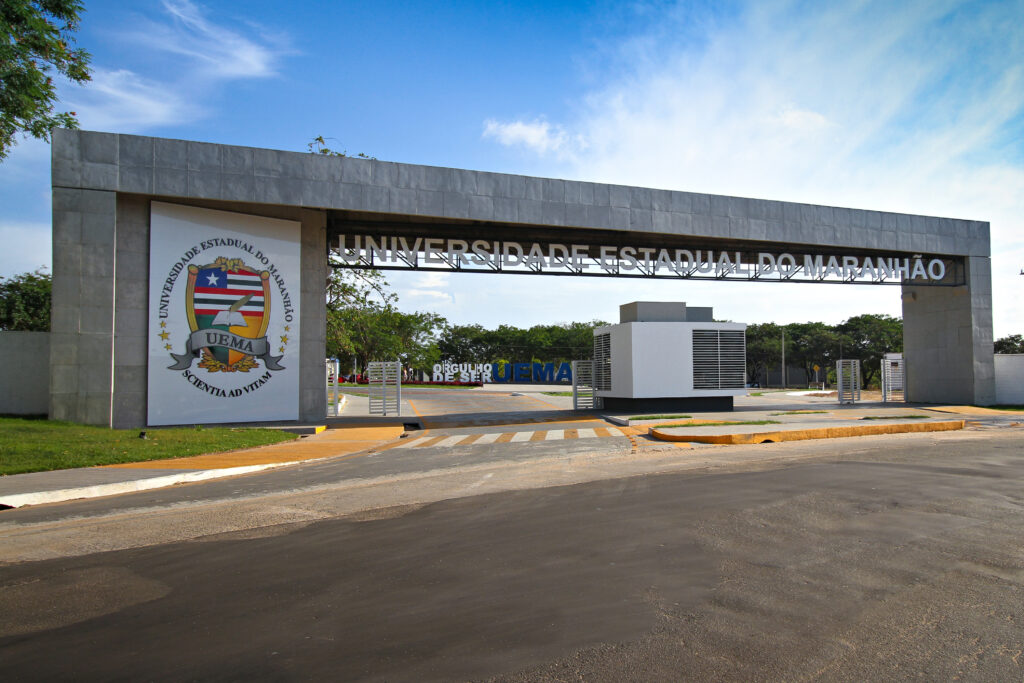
column 164, row 335
column 212, row 279
column 163, row 323
column 168, row 347
column 284, row 339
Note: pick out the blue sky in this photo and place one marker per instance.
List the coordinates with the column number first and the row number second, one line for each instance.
column 910, row 106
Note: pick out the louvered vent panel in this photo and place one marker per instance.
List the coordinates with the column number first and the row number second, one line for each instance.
column 705, row 359
column 603, row 362
column 732, row 359
column 719, row 359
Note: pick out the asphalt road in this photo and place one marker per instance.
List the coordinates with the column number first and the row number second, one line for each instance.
column 890, row 560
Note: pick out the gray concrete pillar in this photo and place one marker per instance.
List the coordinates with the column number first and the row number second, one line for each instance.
column 131, row 312
column 313, row 316
column 947, row 339
column 82, row 320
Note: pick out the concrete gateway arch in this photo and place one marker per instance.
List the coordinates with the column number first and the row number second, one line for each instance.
column 188, row 277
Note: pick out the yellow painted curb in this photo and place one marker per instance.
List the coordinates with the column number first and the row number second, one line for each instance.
column 325, row 444
column 805, row 434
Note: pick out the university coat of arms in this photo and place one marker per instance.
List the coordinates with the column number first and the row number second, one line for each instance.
column 227, row 304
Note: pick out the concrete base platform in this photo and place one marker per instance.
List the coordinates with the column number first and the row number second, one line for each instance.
column 696, row 404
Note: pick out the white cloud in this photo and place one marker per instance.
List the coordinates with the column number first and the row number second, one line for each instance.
column 125, row 102
column 209, row 55
column 848, row 104
column 418, row 289
column 538, row 136
column 219, row 51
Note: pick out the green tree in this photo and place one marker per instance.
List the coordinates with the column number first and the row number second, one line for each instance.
column 1012, row 344
column 868, row 337
column 764, row 348
column 810, row 344
column 37, row 41
column 465, row 344
column 557, row 343
column 25, row 302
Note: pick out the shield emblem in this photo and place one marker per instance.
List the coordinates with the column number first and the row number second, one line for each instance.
column 228, row 296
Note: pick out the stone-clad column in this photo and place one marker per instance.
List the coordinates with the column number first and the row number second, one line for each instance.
column 947, row 339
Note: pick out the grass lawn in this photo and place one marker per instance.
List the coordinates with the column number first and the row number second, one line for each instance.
column 557, row 393
column 41, row 445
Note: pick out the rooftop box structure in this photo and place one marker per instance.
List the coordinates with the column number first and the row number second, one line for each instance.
column 665, row 356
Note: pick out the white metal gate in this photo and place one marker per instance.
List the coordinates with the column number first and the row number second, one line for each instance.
column 333, row 387
column 848, row 380
column 584, row 397
column 892, row 378
column 385, row 389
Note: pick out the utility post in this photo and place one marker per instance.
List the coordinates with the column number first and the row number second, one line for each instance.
column 783, row 357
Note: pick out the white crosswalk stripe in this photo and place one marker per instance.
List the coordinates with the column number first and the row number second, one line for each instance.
column 512, row 437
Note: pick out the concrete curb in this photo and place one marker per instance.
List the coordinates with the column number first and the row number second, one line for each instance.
column 805, row 434
column 18, row 500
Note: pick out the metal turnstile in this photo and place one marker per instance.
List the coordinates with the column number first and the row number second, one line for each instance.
column 333, row 387
column 848, row 380
column 584, row 396
column 893, row 378
column 385, row 389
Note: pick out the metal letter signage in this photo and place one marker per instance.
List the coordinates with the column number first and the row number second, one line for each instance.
column 223, row 317
column 386, row 253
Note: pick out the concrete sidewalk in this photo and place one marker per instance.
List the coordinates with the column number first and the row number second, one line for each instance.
column 89, row 482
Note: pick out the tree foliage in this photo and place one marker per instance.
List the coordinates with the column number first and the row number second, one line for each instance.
column 318, row 145
column 25, row 302
column 1012, row 344
column 36, row 42
column 810, row 344
column 764, row 348
column 557, row 343
column 868, row 338
column 363, row 322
